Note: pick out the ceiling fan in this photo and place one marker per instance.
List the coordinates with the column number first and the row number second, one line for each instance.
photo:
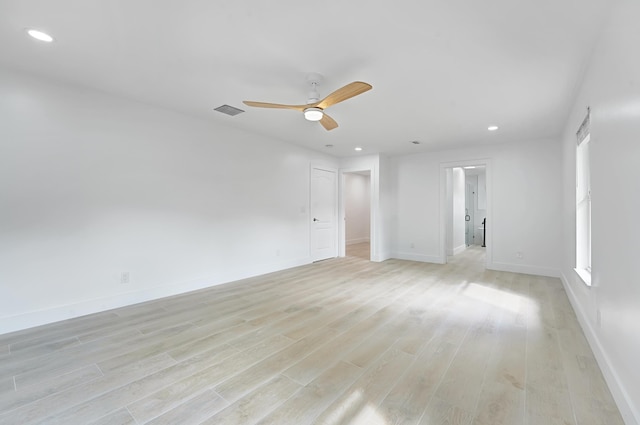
column 314, row 109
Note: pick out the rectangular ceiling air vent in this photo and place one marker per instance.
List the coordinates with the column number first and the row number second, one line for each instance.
column 229, row 110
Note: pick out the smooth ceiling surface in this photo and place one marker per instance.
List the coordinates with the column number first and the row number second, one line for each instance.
column 441, row 70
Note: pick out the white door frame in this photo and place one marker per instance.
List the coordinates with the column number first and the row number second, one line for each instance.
column 443, row 210
column 336, row 203
column 342, row 238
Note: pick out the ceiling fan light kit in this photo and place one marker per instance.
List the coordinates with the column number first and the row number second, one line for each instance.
column 313, row 114
column 314, row 109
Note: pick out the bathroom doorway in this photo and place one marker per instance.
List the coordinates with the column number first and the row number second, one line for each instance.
column 475, row 204
column 465, row 205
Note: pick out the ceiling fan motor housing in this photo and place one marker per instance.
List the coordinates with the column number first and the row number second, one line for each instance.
column 314, row 79
column 313, row 95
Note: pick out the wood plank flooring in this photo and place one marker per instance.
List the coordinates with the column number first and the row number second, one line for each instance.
column 342, row 341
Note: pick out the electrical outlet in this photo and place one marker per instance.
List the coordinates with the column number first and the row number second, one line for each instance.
column 519, row 255
column 413, row 245
column 124, row 277
column 277, row 252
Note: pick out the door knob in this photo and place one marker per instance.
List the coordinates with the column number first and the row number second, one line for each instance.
column 315, row 219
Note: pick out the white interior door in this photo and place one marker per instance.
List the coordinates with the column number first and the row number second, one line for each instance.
column 323, row 214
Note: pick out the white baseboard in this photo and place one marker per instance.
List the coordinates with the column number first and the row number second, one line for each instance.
column 357, row 240
column 69, row 311
column 417, row 257
column 459, row 249
column 629, row 412
column 378, row 258
column 524, row 268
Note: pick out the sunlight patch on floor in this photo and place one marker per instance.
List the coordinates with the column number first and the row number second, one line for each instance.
column 351, row 403
column 495, row 297
column 356, row 410
column 369, row 415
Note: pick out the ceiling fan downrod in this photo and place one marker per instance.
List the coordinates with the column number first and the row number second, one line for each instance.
column 313, row 96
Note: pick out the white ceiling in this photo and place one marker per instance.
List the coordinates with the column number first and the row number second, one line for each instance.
column 441, row 70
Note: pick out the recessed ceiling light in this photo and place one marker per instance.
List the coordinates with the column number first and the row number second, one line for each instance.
column 39, row 35
column 358, row 148
column 492, row 128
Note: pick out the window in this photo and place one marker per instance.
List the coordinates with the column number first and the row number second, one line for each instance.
column 583, row 202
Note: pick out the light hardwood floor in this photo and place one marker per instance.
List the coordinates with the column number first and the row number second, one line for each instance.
column 359, row 250
column 342, row 341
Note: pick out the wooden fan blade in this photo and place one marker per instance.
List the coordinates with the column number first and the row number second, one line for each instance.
column 328, row 123
column 344, row 93
column 274, row 105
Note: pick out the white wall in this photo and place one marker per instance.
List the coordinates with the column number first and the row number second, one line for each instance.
column 357, row 208
column 92, row 186
column 448, row 211
column 455, row 210
column 480, row 204
column 481, row 194
column 386, row 222
column 458, row 207
column 526, row 204
column 612, row 89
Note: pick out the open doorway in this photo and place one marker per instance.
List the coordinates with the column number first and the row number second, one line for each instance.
column 357, row 214
column 475, row 205
column 465, row 212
